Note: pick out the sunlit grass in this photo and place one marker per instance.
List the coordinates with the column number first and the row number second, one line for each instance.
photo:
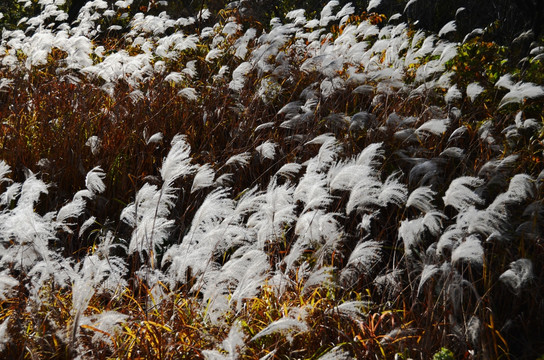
column 356, row 206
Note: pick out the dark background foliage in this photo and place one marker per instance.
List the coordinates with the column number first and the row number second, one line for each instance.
column 505, row 20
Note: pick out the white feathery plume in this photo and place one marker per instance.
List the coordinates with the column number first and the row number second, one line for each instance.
column 429, row 270
column 427, row 46
column 449, row 240
column 364, row 90
column 473, row 329
column 298, row 17
column 519, row 91
column 250, row 272
column 373, row 4
column 190, row 260
column 326, row 13
column 280, row 282
column 213, row 54
column 276, row 210
column 102, row 271
column 447, row 51
column 460, row 195
column 366, row 223
column 521, row 188
column 31, row 191
column 53, row 269
column 249, row 202
column 231, row 28
column 361, row 261
column 267, row 149
column 227, row 236
column 177, row 162
column 314, row 229
column 7, row 283
column 458, row 134
column 86, row 225
column 407, row 136
column 30, row 234
column 4, row 335
column 203, row 178
column 371, row 155
column 393, row 192
column 269, row 356
column 216, row 207
column 433, row 222
column 308, row 227
column 485, row 222
column 321, row 139
column 94, row 180
column 269, row 89
column 411, row 231
column 344, row 175
column 434, row 126
column 144, row 210
column 10, row 193
column 365, row 194
column 365, row 255
column 224, row 180
column 494, row 219
column 201, row 242
column 493, row 167
column 330, row 237
column 148, row 214
column 108, row 325
column 174, row 77
column 448, row 28
column 470, row 251
column 346, row 10
column 82, row 292
column 133, row 212
column 323, row 276
column 455, row 286
column 291, row 109
column 241, row 43
column 4, row 170
column 239, row 76
column 326, row 155
column 149, row 235
column 312, row 191
column 189, row 94
column 422, row 199
column 519, row 275
column 239, row 159
column 353, row 309
column 285, row 324
column 474, row 90
column 312, row 24
column 94, row 143
column 71, row 210
column 5, row 84
column 329, row 87
column 266, row 125
column 235, row 341
column 453, row 152
column 289, row 170
column 337, row 353
column 190, row 69
column 361, row 120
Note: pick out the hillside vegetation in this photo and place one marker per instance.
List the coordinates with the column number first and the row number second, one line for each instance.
column 249, row 181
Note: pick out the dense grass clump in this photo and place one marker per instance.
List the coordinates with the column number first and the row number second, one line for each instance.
column 331, row 185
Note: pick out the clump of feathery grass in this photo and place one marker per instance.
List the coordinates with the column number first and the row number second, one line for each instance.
column 334, row 187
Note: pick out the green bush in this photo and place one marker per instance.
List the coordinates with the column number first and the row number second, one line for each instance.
column 443, row 354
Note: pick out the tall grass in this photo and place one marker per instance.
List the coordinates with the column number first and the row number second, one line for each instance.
column 334, row 187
